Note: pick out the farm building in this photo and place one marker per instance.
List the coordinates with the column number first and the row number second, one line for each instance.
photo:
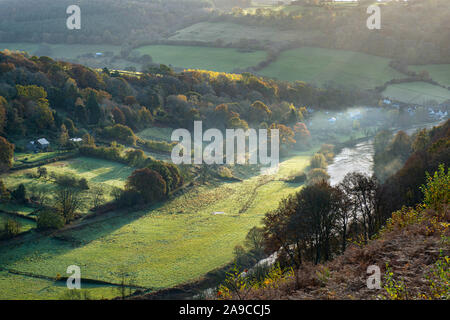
column 38, row 145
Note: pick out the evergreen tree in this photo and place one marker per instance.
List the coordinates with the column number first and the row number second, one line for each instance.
column 93, row 108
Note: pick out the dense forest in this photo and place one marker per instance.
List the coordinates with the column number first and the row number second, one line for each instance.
column 104, row 21
column 40, row 94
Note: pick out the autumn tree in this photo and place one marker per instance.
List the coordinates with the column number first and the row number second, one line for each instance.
column 6, row 154
column 118, row 115
column 260, row 112
column 3, row 104
column 88, row 140
column 63, row 136
column 148, row 183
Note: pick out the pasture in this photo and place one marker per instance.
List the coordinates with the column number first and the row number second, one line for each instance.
column 438, row 72
column 25, row 224
column 31, row 288
column 35, row 158
column 172, row 243
column 156, row 133
column 99, row 173
column 233, row 32
column 321, row 66
column 417, row 92
column 205, row 58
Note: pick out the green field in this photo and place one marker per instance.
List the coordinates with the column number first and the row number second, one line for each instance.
column 176, row 242
column 417, row 92
column 17, row 208
column 215, row 59
column 438, row 72
column 25, row 224
column 30, row 158
column 232, row 33
column 99, row 173
column 319, row 66
column 29, row 288
column 156, row 133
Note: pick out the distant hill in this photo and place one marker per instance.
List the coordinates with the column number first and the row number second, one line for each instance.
column 103, row 21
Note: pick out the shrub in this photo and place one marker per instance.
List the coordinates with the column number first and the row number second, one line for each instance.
column 224, row 172
column 49, row 219
column 83, row 184
column 439, row 278
column 317, row 175
column 148, row 183
column 318, row 161
column 395, row 289
column 299, row 177
column 42, row 172
column 328, row 151
column 120, row 133
column 437, row 190
column 10, row 229
column 157, row 146
column 20, row 194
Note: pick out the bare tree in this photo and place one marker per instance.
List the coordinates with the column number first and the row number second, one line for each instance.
column 362, row 191
column 68, row 201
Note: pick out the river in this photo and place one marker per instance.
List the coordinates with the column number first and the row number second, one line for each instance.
column 359, row 158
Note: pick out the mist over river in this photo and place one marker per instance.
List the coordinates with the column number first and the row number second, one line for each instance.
column 359, row 158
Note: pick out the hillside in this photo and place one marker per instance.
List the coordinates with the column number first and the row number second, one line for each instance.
column 412, row 252
column 402, row 227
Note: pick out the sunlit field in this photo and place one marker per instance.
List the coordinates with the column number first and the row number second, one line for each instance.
column 349, row 99
column 321, row 66
column 99, row 173
column 417, row 92
column 215, row 59
column 173, row 243
column 438, row 72
column 233, row 32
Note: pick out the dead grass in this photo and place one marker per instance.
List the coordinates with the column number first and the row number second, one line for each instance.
column 410, row 252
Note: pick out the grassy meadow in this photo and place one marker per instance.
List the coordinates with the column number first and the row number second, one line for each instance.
column 156, row 133
column 232, row 33
column 25, row 224
column 320, row 66
column 215, row 59
column 417, row 92
column 173, row 243
column 438, row 72
column 99, row 173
